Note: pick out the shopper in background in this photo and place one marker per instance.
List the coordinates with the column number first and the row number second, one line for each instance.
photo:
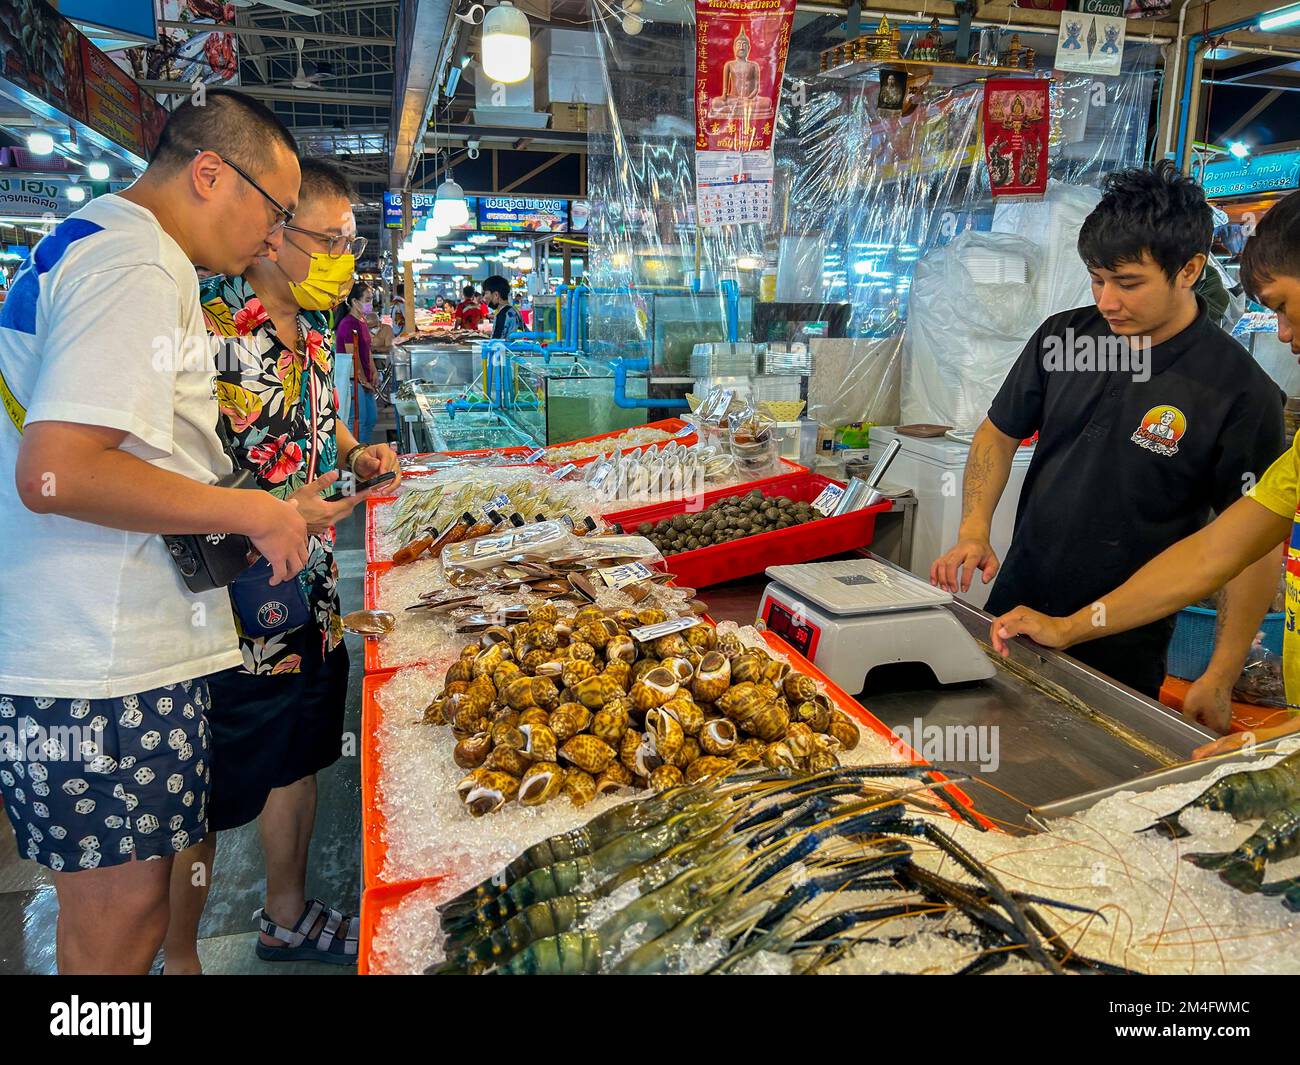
column 1131, row 459
column 277, row 720
column 353, row 334
column 1244, row 536
column 106, row 652
column 469, row 311
column 506, row 317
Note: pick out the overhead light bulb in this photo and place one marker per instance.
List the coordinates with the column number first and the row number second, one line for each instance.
column 450, row 204
column 439, row 227
column 76, row 194
column 507, row 46
column 97, row 170
column 1239, row 149
column 524, row 262
column 40, row 142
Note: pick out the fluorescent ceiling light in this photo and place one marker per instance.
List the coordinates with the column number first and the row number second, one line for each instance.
column 40, row 142
column 1275, row 20
column 507, row 46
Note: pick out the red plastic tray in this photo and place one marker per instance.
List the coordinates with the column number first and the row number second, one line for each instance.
column 668, row 425
column 370, row 600
column 375, row 902
column 374, row 847
column 753, row 554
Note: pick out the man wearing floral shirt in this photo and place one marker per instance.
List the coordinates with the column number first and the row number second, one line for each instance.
column 277, row 720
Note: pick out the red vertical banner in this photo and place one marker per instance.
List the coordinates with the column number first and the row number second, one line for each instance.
column 1017, row 123
column 740, row 51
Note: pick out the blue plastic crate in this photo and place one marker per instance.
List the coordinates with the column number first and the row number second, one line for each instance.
column 1193, row 640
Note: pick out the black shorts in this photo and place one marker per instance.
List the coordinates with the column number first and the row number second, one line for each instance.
column 270, row 730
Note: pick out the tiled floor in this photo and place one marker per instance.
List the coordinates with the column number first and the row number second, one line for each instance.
column 27, row 903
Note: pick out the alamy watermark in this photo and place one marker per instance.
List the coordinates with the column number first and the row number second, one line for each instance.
column 26, row 740
column 1073, row 352
column 950, row 745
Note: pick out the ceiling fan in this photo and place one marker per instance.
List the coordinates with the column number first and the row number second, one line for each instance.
column 282, row 5
column 303, row 80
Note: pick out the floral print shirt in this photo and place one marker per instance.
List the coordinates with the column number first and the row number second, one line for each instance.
column 279, row 410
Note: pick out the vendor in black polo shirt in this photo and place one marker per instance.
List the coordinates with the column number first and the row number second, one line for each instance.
column 1149, row 418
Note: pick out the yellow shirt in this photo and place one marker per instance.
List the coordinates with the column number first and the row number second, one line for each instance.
column 1279, row 491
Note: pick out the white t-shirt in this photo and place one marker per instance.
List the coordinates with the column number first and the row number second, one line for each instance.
column 102, row 326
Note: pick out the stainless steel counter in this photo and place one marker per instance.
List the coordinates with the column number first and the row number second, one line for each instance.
column 1059, row 728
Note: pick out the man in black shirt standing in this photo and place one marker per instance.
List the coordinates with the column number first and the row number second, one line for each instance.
column 1149, row 418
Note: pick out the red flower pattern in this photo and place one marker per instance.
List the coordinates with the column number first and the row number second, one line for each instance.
column 277, row 458
column 250, row 316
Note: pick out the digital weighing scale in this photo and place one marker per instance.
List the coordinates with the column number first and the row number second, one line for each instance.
column 849, row 617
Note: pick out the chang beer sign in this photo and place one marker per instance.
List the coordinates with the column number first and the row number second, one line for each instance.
column 34, row 197
column 1113, row 8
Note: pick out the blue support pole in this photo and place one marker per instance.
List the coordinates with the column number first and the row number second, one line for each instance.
column 620, row 368
column 1185, row 107
column 731, row 302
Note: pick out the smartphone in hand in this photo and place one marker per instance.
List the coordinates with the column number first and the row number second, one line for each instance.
column 361, row 486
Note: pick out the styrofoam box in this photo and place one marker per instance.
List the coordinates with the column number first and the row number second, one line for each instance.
column 488, row 93
column 568, row 42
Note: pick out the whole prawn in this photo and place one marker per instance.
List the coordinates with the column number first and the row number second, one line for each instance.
column 1276, row 839
column 1245, row 795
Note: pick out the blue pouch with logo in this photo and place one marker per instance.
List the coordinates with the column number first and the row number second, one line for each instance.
column 265, row 609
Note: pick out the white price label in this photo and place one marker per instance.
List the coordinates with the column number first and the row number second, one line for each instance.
column 621, row 576
column 825, row 502
column 685, row 430
column 496, row 503
column 564, row 471
column 536, row 456
column 665, row 628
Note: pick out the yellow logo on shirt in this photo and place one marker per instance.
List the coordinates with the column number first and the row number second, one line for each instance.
column 1161, row 429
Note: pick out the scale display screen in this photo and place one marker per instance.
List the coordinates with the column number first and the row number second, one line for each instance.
column 803, row 638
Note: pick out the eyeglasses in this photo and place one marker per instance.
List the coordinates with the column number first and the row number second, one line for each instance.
column 336, row 244
column 284, row 215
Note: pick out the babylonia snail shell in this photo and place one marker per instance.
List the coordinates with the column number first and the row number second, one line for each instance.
column 645, row 760
column 665, row 777
column 747, row 668
column 666, row 732
column 579, row 786
column 540, row 744
column 690, row 751
column 702, row 637
column 491, row 792
column 519, row 693
column 707, row 767
column 615, row 776
column 609, row 725
column 588, row 615
column 592, row 633
column 681, row 668
column 712, row 677
column 588, row 752
column 577, row 670
column 684, row 708
column 456, row 687
column 494, row 634
column 459, row 670
column 552, row 668
column 718, row 736
column 621, row 649
column 650, row 616
column 801, row 739
column 748, row 752
column 671, row 646
column 641, row 668
column 504, row 674
column 769, row 723
column 618, row 672
column 779, row 756
column 729, row 644
column 507, row 734
column 654, row 689
column 469, row 782
column 569, row 719
column 435, row 712
column 844, row 729
column 547, row 613
column 799, row 688
column 508, row 760
column 627, row 749
column 581, row 652
column 534, row 715
column 814, row 714
column 471, row 751
column 540, row 783
column 593, row 692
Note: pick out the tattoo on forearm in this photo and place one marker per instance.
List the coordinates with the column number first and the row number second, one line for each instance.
column 979, row 467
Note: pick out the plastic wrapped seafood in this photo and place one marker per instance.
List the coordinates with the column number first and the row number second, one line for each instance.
column 636, row 437
column 663, row 473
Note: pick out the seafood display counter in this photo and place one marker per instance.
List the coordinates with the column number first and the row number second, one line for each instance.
column 1051, row 727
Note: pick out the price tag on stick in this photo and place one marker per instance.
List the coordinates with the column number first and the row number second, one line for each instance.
column 825, row 503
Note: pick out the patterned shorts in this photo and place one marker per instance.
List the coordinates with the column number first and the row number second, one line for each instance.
column 91, row 782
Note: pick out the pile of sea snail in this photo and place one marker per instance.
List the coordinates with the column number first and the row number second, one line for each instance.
column 575, row 706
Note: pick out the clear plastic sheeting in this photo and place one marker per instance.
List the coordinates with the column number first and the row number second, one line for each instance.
column 973, row 308
column 861, row 198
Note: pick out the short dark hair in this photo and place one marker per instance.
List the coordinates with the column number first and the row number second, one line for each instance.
column 320, row 178
column 358, row 290
column 233, row 125
column 498, row 284
column 1274, row 248
column 1158, row 211
column 468, row 292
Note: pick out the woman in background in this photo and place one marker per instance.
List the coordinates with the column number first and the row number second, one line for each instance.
column 353, row 334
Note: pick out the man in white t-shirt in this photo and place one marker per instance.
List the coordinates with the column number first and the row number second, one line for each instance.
column 108, row 439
